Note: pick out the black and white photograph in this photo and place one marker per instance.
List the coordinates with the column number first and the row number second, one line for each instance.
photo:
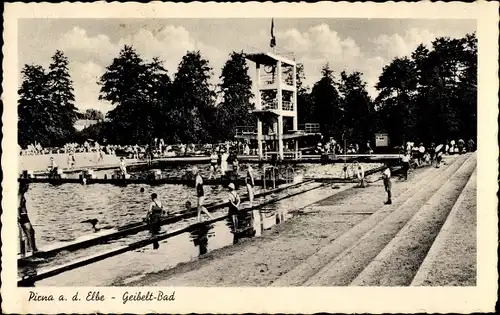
column 156, row 153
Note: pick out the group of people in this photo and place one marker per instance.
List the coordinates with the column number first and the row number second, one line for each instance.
column 156, row 209
column 334, row 147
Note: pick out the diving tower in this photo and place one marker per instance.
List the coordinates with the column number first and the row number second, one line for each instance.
column 275, row 96
column 275, row 104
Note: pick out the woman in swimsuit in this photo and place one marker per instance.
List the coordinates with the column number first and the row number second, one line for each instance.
column 234, row 202
column 250, row 183
column 154, row 214
column 200, row 193
column 23, row 218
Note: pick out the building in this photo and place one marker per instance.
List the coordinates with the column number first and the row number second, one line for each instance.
column 84, row 123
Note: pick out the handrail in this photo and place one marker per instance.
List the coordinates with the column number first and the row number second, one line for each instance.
column 292, row 173
column 273, row 170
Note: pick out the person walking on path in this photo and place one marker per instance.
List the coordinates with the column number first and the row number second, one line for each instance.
column 386, row 176
column 200, row 193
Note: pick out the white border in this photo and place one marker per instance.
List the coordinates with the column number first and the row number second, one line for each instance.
column 297, row 300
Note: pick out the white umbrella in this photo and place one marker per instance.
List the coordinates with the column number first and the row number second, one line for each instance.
column 438, row 148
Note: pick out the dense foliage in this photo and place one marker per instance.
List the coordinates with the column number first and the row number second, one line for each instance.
column 428, row 96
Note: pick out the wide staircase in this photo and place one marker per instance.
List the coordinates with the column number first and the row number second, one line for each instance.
column 427, row 237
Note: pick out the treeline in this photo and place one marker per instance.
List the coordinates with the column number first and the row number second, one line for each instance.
column 428, row 96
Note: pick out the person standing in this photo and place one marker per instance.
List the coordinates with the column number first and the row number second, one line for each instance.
column 153, row 216
column 250, row 183
column 123, row 167
column 200, row 193
column 405, row 159
column 234, row 202
column 386, row 176
column 23, row 218
column 223, row 162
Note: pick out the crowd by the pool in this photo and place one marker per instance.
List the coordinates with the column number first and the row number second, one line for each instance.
column 158, row 148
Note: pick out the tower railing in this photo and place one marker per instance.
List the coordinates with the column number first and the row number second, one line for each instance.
column 245, row 130
column 310, row 127
column 287, row 105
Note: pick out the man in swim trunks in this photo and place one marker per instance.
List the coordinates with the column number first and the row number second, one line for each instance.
column 386, row 176
column 200, row 193
column 23, row 218
column 250, row 183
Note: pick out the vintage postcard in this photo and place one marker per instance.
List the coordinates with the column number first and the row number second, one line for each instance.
column 250, row 157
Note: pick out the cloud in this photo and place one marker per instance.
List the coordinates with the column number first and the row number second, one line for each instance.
column 318, row 45
column 89, row 54
column 81, row 46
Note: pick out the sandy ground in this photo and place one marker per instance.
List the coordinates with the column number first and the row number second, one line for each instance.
column 262, row 260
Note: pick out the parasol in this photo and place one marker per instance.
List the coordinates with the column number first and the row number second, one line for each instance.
column 438, row 148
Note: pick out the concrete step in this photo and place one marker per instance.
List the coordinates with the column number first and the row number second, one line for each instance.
column 452, row 258
column 313, row 264
column 398, row 262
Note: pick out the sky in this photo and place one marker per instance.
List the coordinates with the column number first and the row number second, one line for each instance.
column 364, row 45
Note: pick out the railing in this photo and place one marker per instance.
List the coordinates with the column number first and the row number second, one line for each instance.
column 270, row 105
column 269, row 79
column 245, row 130
column 272, row 171
column 289, row 155
column 289, row 174
column 310, row 128
column 287, row 105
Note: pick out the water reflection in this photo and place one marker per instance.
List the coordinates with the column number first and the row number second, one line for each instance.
column 199, row 235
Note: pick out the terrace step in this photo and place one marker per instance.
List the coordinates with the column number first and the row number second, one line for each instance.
column 398, row 262
column 312, row 265
column 452, row 259
column 346, row 266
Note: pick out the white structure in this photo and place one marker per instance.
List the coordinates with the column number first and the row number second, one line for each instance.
column 276, row 100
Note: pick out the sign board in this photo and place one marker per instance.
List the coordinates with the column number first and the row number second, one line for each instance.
column 381, row 140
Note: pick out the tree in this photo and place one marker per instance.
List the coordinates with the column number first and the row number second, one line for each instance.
column 358, row 107
column 326, row 100
column 61, row 94
column 126, row 84
column 93, row 114
column 159, row 96
column 37, row 115
column 236, row 89
column 194, row 99
column 397, row 85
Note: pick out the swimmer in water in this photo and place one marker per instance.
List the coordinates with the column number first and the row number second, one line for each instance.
column 142, row 189
column 200, row 193
column 234, row 202
column 250, row 183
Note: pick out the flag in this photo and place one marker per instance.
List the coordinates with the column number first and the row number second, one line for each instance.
column 273, row 39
